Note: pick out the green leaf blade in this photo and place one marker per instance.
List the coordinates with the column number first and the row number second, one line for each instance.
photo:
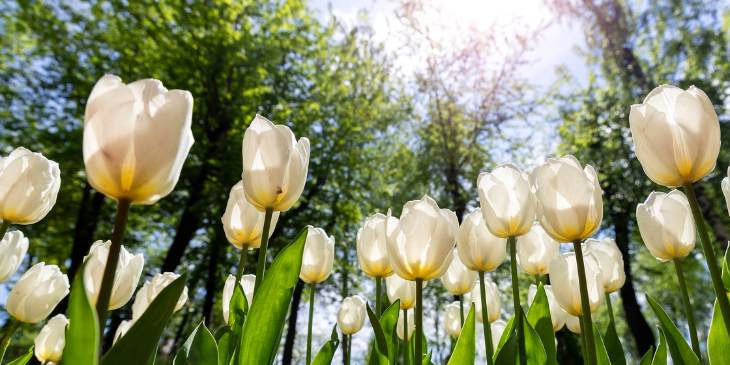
column 679, row 349
column 465, row 349
column 82, row 335
column 199, row 349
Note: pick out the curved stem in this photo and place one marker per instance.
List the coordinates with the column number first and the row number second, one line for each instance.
column 261, row 268
column 710, row 257
column 110, row 268
column 587, row 322
column 512, row 241
column 406, row 348
column 7, row 333
column 461, row 309
column 309, row 324
column 486, row 326
column 378, row 291
column 241, row 264
column 419, row 322
column 688, row 309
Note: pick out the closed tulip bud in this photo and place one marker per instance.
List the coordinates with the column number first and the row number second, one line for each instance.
column 129, row 269
column 13, row 247
column 479, row 249
column 676, row 135
column 498, row 327
column 726, row 189
column 243, row 223
column 564, row 276
column 405, row 290
column 318, row 257
column 29, row 186
column 452, row 319
column 506, row 201
column 149, row 291
column 536, row 250
column 50, row 341
column 274, row 165
column 122, row 330
column 610, row 262
column 557, row 314
column 411, row 325
column 421, row 242
column 573, row 324
column 494, row 303
column 247, row 283
column 351, row 316
column 136, row 138
column 458, row 279
column 37, row 292
column 666, row 225
column 372, row 246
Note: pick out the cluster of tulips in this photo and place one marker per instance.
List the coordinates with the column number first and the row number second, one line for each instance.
column 138, row 135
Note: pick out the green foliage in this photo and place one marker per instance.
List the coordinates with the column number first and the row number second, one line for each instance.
column 678, row 347
column 602, row 357
column 327, row 351
column 199, row 349
column 660, row 356
column 538, row 317
column 718, row 340
column 613, row 345
column 465, row 350
column 82, row 335
column 23, row 359
column 646, row 359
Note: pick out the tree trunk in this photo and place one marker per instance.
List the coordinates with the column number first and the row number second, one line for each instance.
column 291, row 331
column 86, row 221
column 212, row 279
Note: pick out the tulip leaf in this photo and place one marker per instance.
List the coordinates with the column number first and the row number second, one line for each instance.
column 677, row 345
column 539, row 318
column 718, row 341
column 199, row 348
column 725, row 271
column 139, row 344
column 270, row 305
column 23, row 359
column 389, row 321
column 602, row 357
column 613, row 345
column 507, row 351
column 534, row 348
column 327, row 351
column 660, row 356
column 238, row 308
column 646, row 359
column 465, row 349
column 381, row 344
column 508, row 329
column 82, row 335
column 225, row 343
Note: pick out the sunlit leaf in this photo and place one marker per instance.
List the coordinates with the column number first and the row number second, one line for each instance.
column 465, row 349
column 327, row 351
column 23, row 359
column 613, row 345
column 82, row 335
column 679, row 349
column 199, row 349
column 660, row 356
column 539, row 318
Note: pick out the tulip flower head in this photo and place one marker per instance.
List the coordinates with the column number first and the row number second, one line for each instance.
column 610, row 262
column 50, row 341
column 458, row 279
column 351, row 316
column 676, row 135
column 122, row 330
column 666, row 225
column 136, row 138
column 243, row 223
column 29, row 185
column 506, row 201
column 725, row 185
column 498, row 327
column 318, row 257
column 411, row 325
column 566, row 289
column 274, row 165
column 478, row 248
column 37, row 292
column 573, row 324
column 570, row 201
column 452, row 319
column 129, row 270
column 535, row 251
column 405, row 290
column 557, row 314
column 494, row 303
column 13, row 248
column 247, row 284
column 149, row 291
column 372, row 246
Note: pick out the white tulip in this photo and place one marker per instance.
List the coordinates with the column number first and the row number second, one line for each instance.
column 351, row 315
column 506, row 201
column 37, row 292
column 372, row 246
column 129, row 270
column 566, row 287
column 676, row 135
column 535, row 251
column 318, row 257
column 50, row 341
column 421, row 242
column 570, row 201
column 405, row 290
column 725, row 185
column 452, row 319
column 666, row 225
column 557, row 314
column 29, row 185
column 274, row 165
column 136, row 138
column 149, row 291
column 247, row 283
column 610, row 262
column 411, row 325
column 13, row 248
column 122, row 330
column 243, row 224
column 573, row 324
column 479, row 249
column 458, row 279
column 498, row 328
column 494, row 303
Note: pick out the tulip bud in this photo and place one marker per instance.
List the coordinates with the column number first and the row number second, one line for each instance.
column 37, row 292
column 149, row 291
column 676, row 135
column 570, row 202
column 536, row 250
column 498, row 328
column 479, row 249
column 122, row 330
column 29, row 186
column 573, row 324
column 274, row 165
column 557, row 314
column 136, row 138
column 506, row 201
column 351, row 316
column 566, row 289
column 421, row 243
column 452, row 319
column 411, row 325
column 50, row 341
column 458, row 279
column 318, row 257
column 247, row 283
column 610, row 262
column 666, row 225
column 372, row 246
column 243, row 223
column 13, row 247
column 725, row 185
column 494, row 303
column 129, row 269
column 405, row 290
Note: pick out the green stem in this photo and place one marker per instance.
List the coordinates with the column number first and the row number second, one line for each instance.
column 241, row 264
column 112, row 260
column 611, row 319
column 512, row 241
column 461, row 309
column 378, row 291
column 486, row 326
column 587, row 328
column 688, row 309
column 309, row 324
column 349, row 350
column 406, row 348
column 7, row 333
column 584, row 347
column 4, row 228
column 710, row 257
column 419, row 322
column 261, row 268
